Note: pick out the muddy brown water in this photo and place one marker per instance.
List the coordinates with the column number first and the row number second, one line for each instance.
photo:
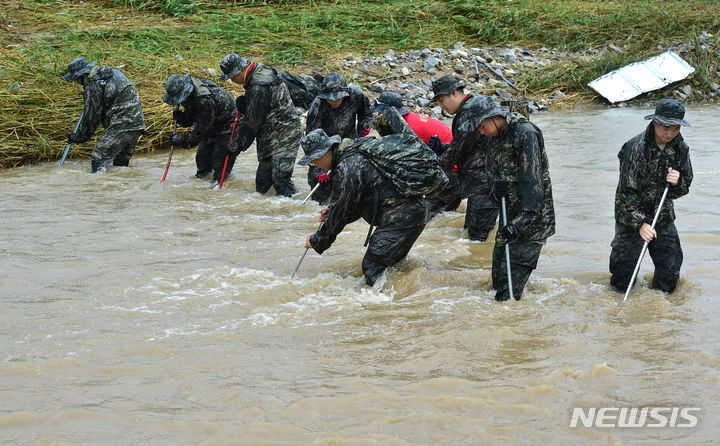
column 135, row 312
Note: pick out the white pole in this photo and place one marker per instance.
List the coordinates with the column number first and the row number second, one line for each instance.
column 642, row 253
column 507, row 250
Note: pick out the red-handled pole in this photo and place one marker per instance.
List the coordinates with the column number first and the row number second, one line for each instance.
column 232, row 133
column 171, row 150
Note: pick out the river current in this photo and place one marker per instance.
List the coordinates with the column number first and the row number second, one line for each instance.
column 135, row 312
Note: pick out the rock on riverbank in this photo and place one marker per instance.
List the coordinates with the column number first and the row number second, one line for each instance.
column 490, row 71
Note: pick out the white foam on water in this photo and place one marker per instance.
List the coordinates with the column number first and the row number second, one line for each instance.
column 141, row 309
column 448, row 305
column 248, row 296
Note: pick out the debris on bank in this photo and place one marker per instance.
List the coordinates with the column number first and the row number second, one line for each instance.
column 641, row 77
column 486, row 71
column 494, row 71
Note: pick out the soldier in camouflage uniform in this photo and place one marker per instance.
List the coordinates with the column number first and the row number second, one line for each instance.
column 467, row 151
column 652, row 159
column 341, row 110
column 393, row 118
column 110, row 99
column 270, row 118
column 303, row 88
column 359, row 190
column 423, row 126
column 518, row 166
column 212, row 112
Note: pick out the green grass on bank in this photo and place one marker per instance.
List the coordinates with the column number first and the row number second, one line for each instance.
column 152, row 39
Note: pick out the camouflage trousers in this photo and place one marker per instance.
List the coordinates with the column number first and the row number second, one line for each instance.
column 665, row 251
column 210, row 157
column 481, row 213
column 524, row 256
column 400, row 223
column 323, row 192
column 448, row 199
column 276, row 171
column 115, row 147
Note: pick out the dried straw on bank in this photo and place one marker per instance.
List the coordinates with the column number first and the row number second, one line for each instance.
column 38, row 110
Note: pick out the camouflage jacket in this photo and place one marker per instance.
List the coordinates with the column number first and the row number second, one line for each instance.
column 354, row 182
column 270, row 115
column 517, row 155
column 211, row 109
column 390, row 122
column 303, row 88
column 643, row 169
column 347, row 120
column 404, row 159
column 110, row 99
column 468, row 148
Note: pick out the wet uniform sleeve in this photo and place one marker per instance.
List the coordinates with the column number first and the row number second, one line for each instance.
column 184, row 119
column 628, row 209
column 92, row 111
column 313, row 120
column 461, row 143
column 530, row 182
column 346, row 186
column 258, row 99
column 204, row 120
column 364, row 114
column 686, row 174
column 396, row 122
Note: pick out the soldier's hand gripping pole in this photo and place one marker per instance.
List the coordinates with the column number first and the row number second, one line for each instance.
column 644, row 248
column 172, row 148
column 314, row 189
column 232, row 133
column 304, row 254
column 67, row 149
column 507, row 250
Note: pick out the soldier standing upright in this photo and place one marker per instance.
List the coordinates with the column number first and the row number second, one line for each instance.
column 110, row 99
column 211, row 110
column 518, row 166
column 467, row 151
column 652, row 159
column 341, row 110
column 270, row 118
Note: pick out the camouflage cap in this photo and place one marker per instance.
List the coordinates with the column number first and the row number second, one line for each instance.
column 392, row 99
column 77, row 67
column 232, row 65
column 483, row 107
column 334, row 87
column 177, row 88
column 669, row 112
column 446, row 85
column 315, row 145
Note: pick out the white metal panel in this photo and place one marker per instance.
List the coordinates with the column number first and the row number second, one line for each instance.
column 640, row 77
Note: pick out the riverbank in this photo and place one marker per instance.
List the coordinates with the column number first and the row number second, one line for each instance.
column 509, row 73
column 550, row 50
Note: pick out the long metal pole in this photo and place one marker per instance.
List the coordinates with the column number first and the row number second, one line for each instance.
column 67, row 149
column 507, row 250
column 642, row 253
column 496, row 73
column 314, row 189
column 303, row 256
column 232, row 133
